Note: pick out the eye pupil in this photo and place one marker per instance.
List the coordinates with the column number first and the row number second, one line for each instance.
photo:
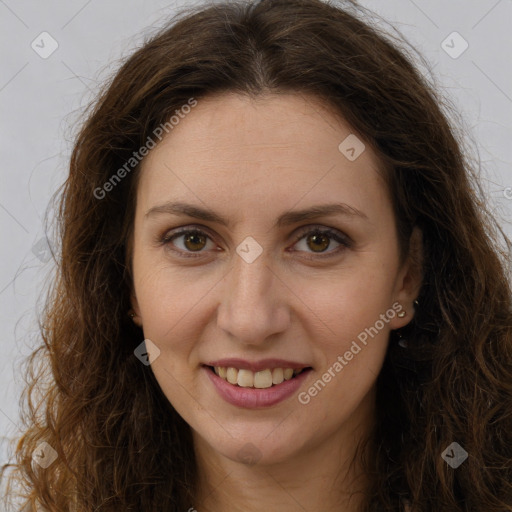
column 193, row 238
column 317, row 241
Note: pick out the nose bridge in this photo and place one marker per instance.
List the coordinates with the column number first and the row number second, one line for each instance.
column 252, row 307
column 250, row 282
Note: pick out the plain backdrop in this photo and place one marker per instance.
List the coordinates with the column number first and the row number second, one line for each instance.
column 55, row 55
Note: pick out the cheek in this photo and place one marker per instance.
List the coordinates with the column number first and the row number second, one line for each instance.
column 163, row 298
column 350, row 329
column 350, row 301
column 351, row 343
column 174, row 306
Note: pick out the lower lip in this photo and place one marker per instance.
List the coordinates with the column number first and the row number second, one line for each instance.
column 252, row 398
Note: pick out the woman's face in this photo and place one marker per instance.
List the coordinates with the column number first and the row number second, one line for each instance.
column 294, row 263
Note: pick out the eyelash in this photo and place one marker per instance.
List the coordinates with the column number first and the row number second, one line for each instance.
column 343, row 240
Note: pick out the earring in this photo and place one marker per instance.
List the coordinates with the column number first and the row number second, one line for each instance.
column 416, row 303
column 131, row 314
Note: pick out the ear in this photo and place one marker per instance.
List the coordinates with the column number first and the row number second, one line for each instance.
column 135, row 309
column 409, row 280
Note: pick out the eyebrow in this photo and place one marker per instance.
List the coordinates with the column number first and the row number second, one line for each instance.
column 285, row 219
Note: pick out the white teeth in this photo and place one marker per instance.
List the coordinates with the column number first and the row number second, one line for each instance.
column 263, row 379
column 288, row 373
column 259, row 380
column 277, row 376
column 245, row 378
column 232, row 375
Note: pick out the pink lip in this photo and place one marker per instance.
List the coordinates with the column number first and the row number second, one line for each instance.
column 257, row 366
column 252, row 398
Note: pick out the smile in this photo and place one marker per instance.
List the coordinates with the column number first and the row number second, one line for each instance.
column 255, row 389
column 258, row 380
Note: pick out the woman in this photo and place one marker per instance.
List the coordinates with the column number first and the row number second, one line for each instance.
column 277, row 286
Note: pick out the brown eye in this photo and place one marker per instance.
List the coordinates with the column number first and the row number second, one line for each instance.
column 194, row 241
column 318, row 242
column 187, row 242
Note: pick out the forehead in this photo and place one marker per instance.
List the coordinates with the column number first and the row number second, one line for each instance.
column 232, row 149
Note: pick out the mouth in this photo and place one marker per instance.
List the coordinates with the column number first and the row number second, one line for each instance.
column 264, row 379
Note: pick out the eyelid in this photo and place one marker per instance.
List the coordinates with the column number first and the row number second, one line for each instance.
column 170, row 235
column 340, row 237
column 318, row 228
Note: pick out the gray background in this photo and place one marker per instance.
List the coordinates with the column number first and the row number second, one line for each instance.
column 41, row 98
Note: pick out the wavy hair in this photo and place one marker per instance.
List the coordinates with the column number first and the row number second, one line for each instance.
column 120, row 443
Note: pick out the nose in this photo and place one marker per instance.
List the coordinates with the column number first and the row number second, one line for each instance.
column 253, row 304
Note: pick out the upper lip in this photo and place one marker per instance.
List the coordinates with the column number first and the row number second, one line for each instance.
column 256, row 366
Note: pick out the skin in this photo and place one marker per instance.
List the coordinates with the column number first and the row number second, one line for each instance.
column 250, row 161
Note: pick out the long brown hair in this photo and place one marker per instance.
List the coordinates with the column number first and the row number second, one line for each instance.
column 120, row 444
